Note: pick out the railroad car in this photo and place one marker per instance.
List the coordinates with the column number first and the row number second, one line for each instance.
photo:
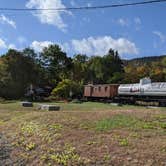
column 145, row 91
column 103, row 91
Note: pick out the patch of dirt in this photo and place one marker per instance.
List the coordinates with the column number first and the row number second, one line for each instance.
column 46, row 134
column 5, row 151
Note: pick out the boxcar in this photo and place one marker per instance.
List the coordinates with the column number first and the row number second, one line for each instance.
column 101, row 91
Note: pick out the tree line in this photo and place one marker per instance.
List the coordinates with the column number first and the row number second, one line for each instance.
column 66, row 75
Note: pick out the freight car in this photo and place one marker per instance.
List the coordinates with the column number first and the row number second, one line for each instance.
column 144, row 91
column 99, row 92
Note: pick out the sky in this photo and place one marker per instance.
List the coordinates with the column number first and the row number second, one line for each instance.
column 134, row 31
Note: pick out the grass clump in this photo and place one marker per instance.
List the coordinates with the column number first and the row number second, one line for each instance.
column 117, row 121
column 91, row 142
column 66, row 157
column 106, row 157
column 123, row 142
column 163, row 125
column 148, row 125
column 56, row 127
column 1, row 122
column 30, row 146
column 29, row 129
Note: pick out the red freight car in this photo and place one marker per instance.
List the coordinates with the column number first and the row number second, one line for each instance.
column 101, row 91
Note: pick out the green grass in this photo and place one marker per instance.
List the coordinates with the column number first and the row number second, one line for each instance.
column 86, row 106
column 126, row 121
column 117, row 121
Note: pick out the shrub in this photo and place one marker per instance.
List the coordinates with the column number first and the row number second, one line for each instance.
column 67, row 89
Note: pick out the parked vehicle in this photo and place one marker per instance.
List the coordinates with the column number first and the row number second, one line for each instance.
column 107, row 91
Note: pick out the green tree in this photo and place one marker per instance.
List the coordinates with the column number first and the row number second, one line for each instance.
column 29, row 52
column 18, row 73
column 95, row 70
column 58, row 66
column 67, row 89
column 40, row 71
column 80, row 68
column 113, row 66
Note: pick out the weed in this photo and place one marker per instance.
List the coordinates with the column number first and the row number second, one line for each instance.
column 86, row 125
column 44, row 157
column 68, row 155
column 135, row 135
column 91, row 143
column 1, row 122
column 30, row 146
column 58, row 135
column 163, row 125
column 21, row 141
column 157, row 123
column 123, row 142
column 55, row 127
column 163, row 149
column 106, row 157
column 29, row 128
column 160, row 117
column 148, row 125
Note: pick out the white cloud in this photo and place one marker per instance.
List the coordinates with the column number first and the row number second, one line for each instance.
column 65, row 47
column 92, row 46
column 123, row 22
column 3, row 44
column 101, row 45
column 49, row 17
column 160, row 35
column 12, row 46
column 6, row 20
column 39, row 45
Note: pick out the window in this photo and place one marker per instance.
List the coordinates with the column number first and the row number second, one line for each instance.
column 99, row 88
column 106, row 88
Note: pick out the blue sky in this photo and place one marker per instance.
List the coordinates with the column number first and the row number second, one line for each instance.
column 134, row 31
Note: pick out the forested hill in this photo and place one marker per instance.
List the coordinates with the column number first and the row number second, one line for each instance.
column 144, row 60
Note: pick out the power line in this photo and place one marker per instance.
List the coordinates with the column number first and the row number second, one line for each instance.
column 85, row 7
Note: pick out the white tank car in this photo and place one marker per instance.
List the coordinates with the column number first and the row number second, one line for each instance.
column 144, row 88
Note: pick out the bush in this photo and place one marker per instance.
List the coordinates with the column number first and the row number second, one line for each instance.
column 68, row 89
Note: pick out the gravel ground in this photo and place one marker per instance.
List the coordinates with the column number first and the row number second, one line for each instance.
column 5, row 150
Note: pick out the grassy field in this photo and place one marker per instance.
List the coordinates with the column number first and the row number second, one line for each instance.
column 82, row 134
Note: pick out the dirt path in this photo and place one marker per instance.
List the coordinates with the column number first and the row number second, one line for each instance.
column 5, row 150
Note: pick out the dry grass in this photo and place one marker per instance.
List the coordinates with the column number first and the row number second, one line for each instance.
column 85, row 134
